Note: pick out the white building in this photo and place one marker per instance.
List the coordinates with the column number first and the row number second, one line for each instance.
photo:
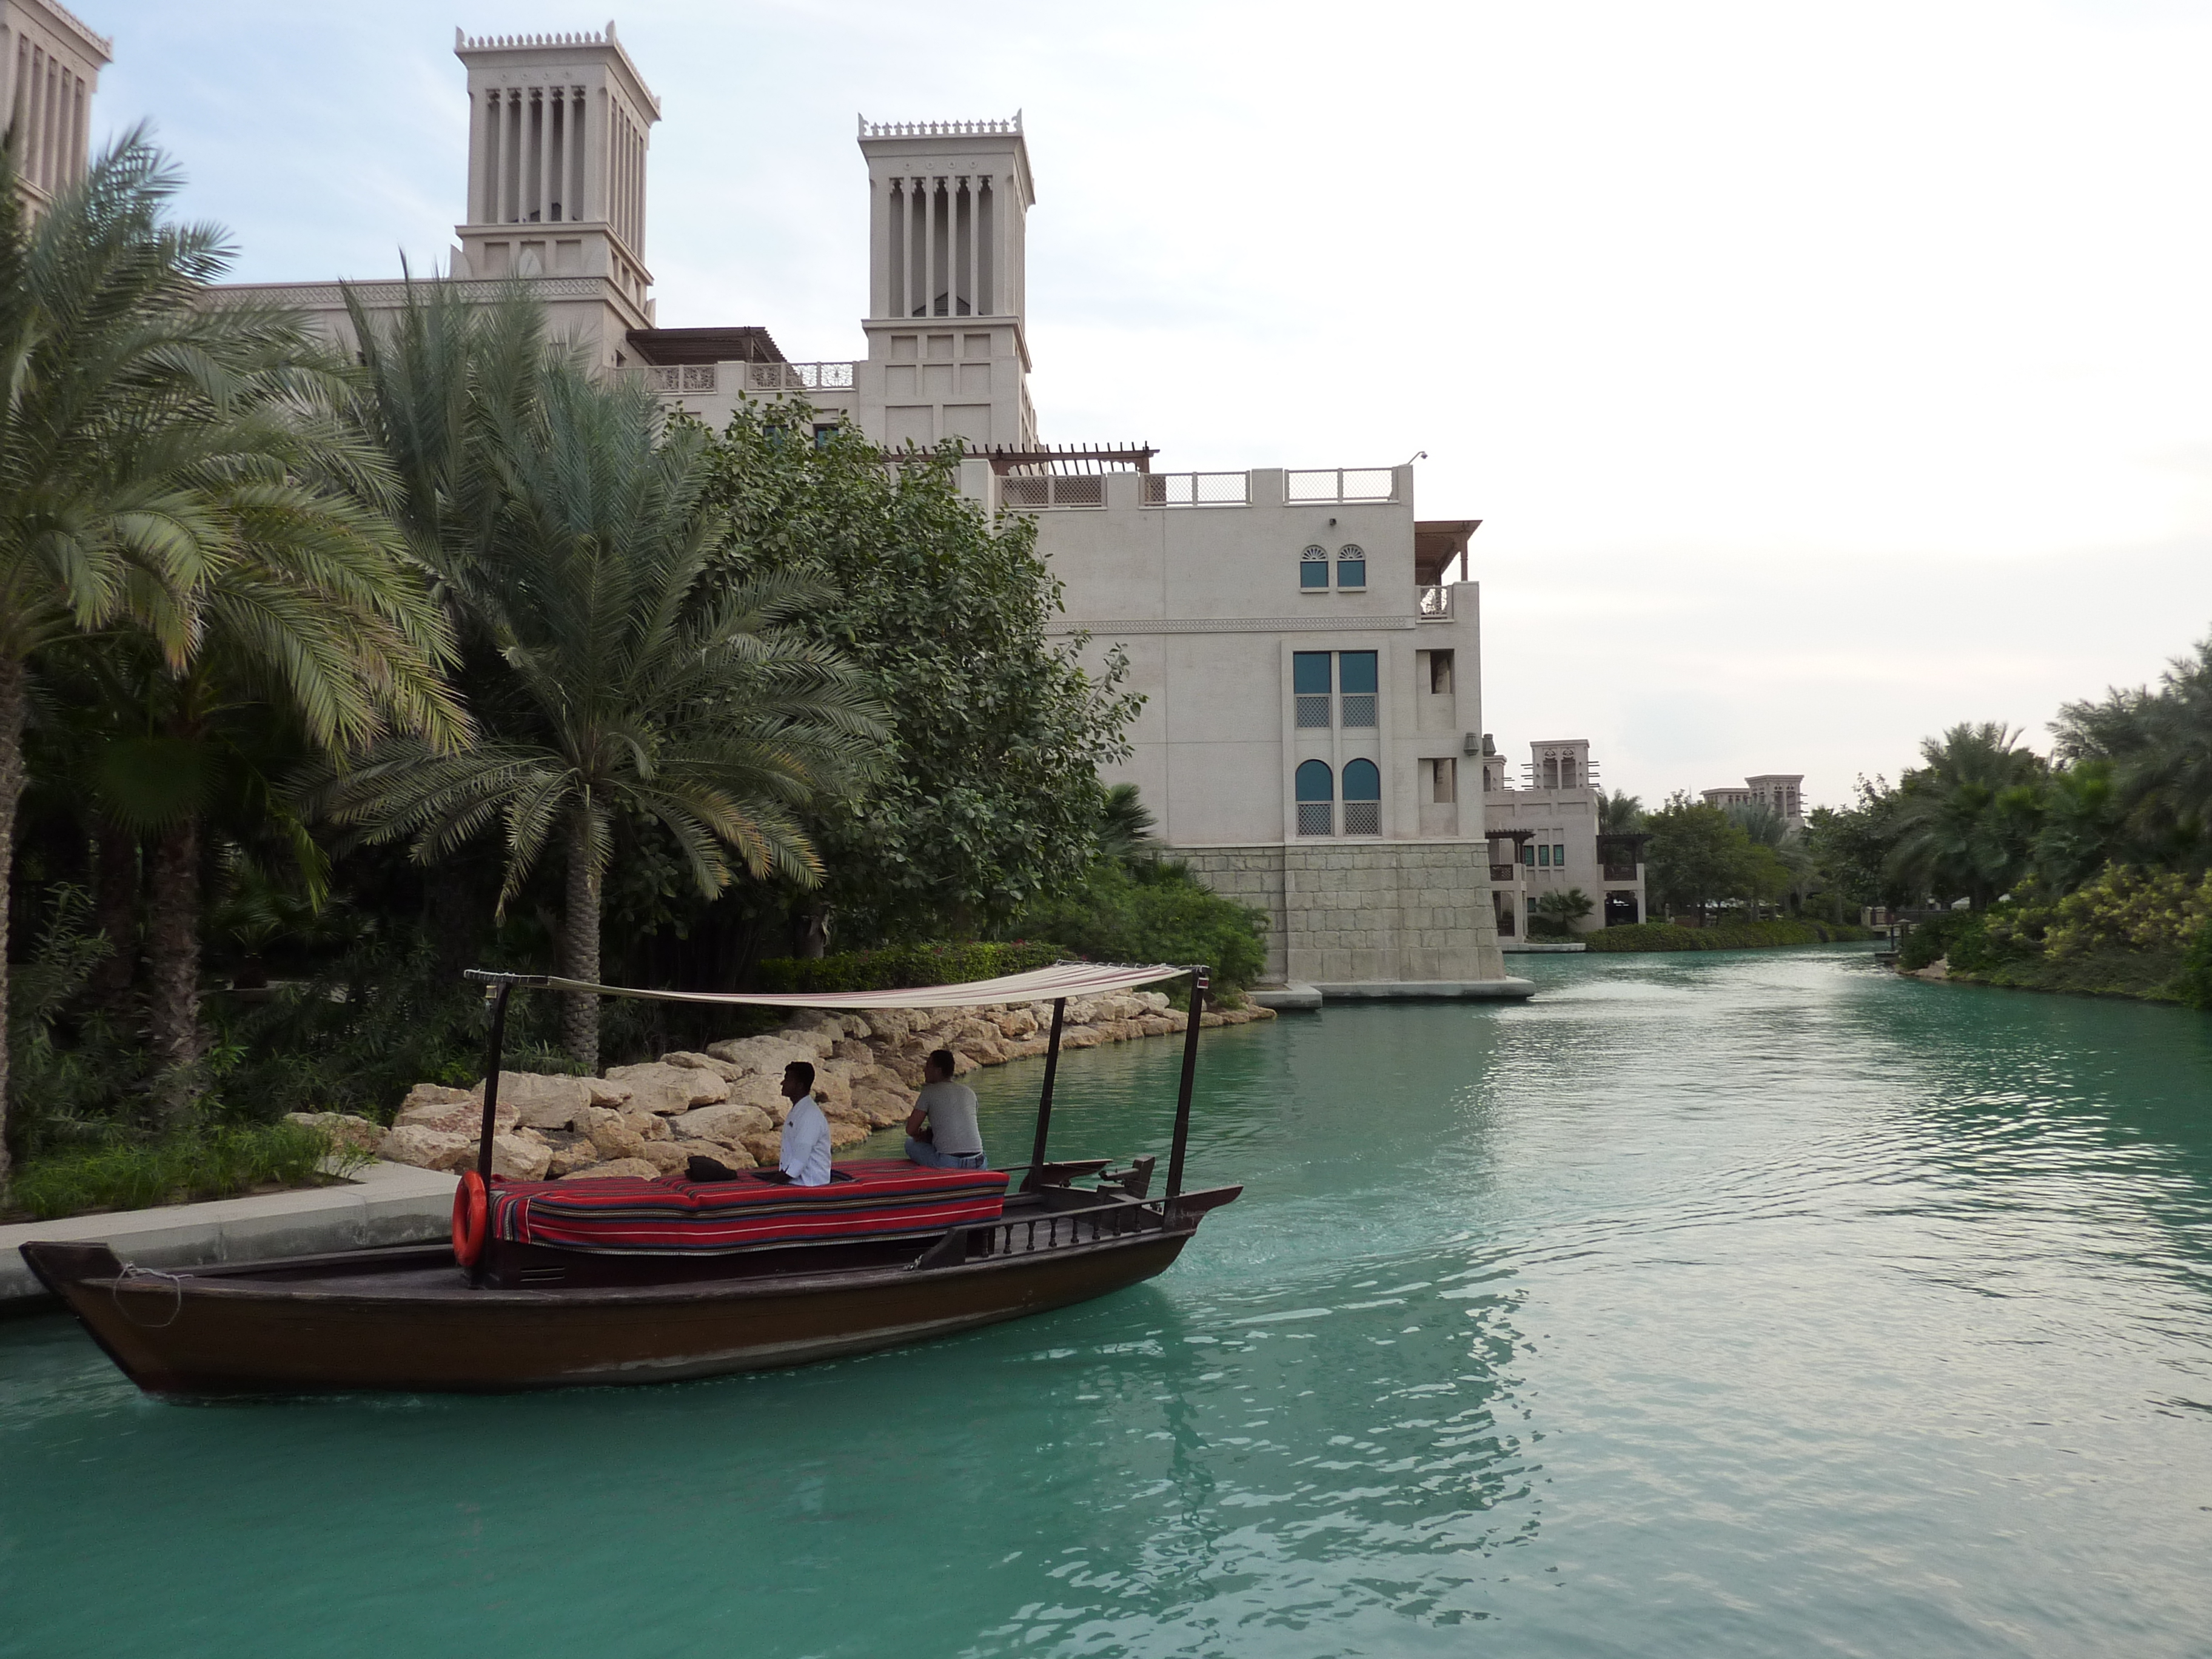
column 49, row 63
column 1546, row 837
column 1311, row 675
column 1781, row 793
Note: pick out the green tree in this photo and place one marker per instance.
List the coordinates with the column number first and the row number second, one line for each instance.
column 1696, row 857
column 991, row 797
column 1618, row 814
column 176, row 469
column 640, row 681
column 1966, row 822
column 1850, row 848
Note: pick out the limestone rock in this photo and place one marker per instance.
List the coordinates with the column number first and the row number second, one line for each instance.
column 730, row 1120
column 657, row 1087
column 342, row 1127
column 853, row 1052
column 426, row 1148
column 884, row 1079
column 611, row 1134
column 636, row 1167
column 1080, row 1036
column 519, row 1159
column 847, row 1131
column 880, row 1109
column 650, row 1125
column 766, row 1149
column 1153, row 1025
column 605, row 1093
column 462, row 1116
column 858, row 1029
column 1030, row 1047
column 1017, row 1023
column 720, row 1069
column 578, row 1154
column 434, row 1094
column 540, row 1101
column 768, row 1055
column 729, row 1153
column 888, row 1027
column 672, row 1156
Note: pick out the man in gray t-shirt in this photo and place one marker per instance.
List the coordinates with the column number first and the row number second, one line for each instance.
column 945, row 1113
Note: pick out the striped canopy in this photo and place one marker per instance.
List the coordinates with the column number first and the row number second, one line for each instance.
column 1063, row 978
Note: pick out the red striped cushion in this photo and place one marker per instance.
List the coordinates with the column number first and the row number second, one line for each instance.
column 624, row 1215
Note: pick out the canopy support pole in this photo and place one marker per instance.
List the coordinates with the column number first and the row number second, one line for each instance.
column 498, row 1053
column 1044, row 1100
column 1199, row 982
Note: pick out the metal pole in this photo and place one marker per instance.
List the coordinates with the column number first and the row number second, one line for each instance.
column 1198, row 987
column 491, row 1076
column 1044, row 1101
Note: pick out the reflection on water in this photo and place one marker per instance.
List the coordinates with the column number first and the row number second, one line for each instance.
column 1756, row 1304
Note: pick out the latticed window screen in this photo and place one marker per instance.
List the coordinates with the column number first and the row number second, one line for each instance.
column 1316, row 792
column 1357, row 674
column 1313, row 567
column 1363, row 798
column 1311, row 678
column 1351, row 566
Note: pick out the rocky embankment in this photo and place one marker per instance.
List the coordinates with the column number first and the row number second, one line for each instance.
column 651, row 1119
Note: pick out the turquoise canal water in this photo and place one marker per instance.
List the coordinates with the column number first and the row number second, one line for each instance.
column 1759, row 1304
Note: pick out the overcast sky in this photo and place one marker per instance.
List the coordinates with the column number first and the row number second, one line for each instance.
column 1823, row 375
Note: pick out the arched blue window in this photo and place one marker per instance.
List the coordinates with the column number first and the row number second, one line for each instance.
column 1363, row 798
column 1317, row 791
column 1313, row 567
column 1351, row 566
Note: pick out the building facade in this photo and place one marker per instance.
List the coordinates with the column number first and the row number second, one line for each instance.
column 51, row 63
column 1547, row 835
column 1780, row 792
column 1311, row 672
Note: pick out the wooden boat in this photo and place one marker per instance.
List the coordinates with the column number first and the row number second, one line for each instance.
column 528, row 1315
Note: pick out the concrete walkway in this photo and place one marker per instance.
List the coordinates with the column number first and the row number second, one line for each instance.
column 383, row 1204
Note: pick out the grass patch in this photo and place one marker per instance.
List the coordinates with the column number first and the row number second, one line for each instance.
column 218, row 1162
column 2149, row 975
column 1732, row 936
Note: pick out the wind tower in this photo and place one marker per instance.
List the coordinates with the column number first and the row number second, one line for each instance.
column 558, row 130
column 948, row 355
column 49, row 65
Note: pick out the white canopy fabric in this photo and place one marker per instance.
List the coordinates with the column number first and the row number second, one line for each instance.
column 1064, row 979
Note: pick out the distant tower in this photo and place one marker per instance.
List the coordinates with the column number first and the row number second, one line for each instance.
column 558, row 129
column 948, row 204
column 49, row 65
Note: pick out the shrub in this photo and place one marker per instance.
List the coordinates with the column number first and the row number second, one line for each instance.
column 2193, row 984
column 1736, row 936
column 901, row 967
column 204, row 1164
column 1156, row 912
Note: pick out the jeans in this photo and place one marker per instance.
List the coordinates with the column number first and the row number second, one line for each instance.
column 921, row 1151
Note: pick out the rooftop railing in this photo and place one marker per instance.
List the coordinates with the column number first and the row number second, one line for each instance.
column 1340, row 483
column 798, row 377
column 1198, row 489
column 1082, row 489
column 1435, row 603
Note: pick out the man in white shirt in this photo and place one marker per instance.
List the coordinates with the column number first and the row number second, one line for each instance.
column 945, row 1112
column 806, row 1157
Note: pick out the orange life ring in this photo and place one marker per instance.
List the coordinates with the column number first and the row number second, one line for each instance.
column 470, row 1216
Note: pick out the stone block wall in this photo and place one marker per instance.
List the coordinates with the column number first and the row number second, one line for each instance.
column 1339, row 913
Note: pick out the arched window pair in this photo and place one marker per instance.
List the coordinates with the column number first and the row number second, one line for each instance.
column 1350, row 567
column 1362, row 799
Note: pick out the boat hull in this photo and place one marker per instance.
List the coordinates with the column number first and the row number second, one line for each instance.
column 405, row 1319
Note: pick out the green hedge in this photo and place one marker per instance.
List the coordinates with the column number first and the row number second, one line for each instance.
column 1156, row 912
column 219, row 1163
column 903, row 967
column 1736, row 936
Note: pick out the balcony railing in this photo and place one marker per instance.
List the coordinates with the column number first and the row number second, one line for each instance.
column 1503, row 872
column 798, row 377
column 1340, row 483
column 1081, row 489
column 1435, row 603
column 1197, row 489
column 678, row 377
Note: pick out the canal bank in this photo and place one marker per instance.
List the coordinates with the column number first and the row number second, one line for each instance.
column 1734, row 1303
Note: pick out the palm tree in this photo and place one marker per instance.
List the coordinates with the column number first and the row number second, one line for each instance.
column 1618, row 814
column 1126, row 826
column 1966, row 822
column 179, row 471
column 632, row 684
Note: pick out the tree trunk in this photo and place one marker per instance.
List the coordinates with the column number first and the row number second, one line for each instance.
column 11, row 790
column 115, row 911
column 579, row 940
column 172, row 965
